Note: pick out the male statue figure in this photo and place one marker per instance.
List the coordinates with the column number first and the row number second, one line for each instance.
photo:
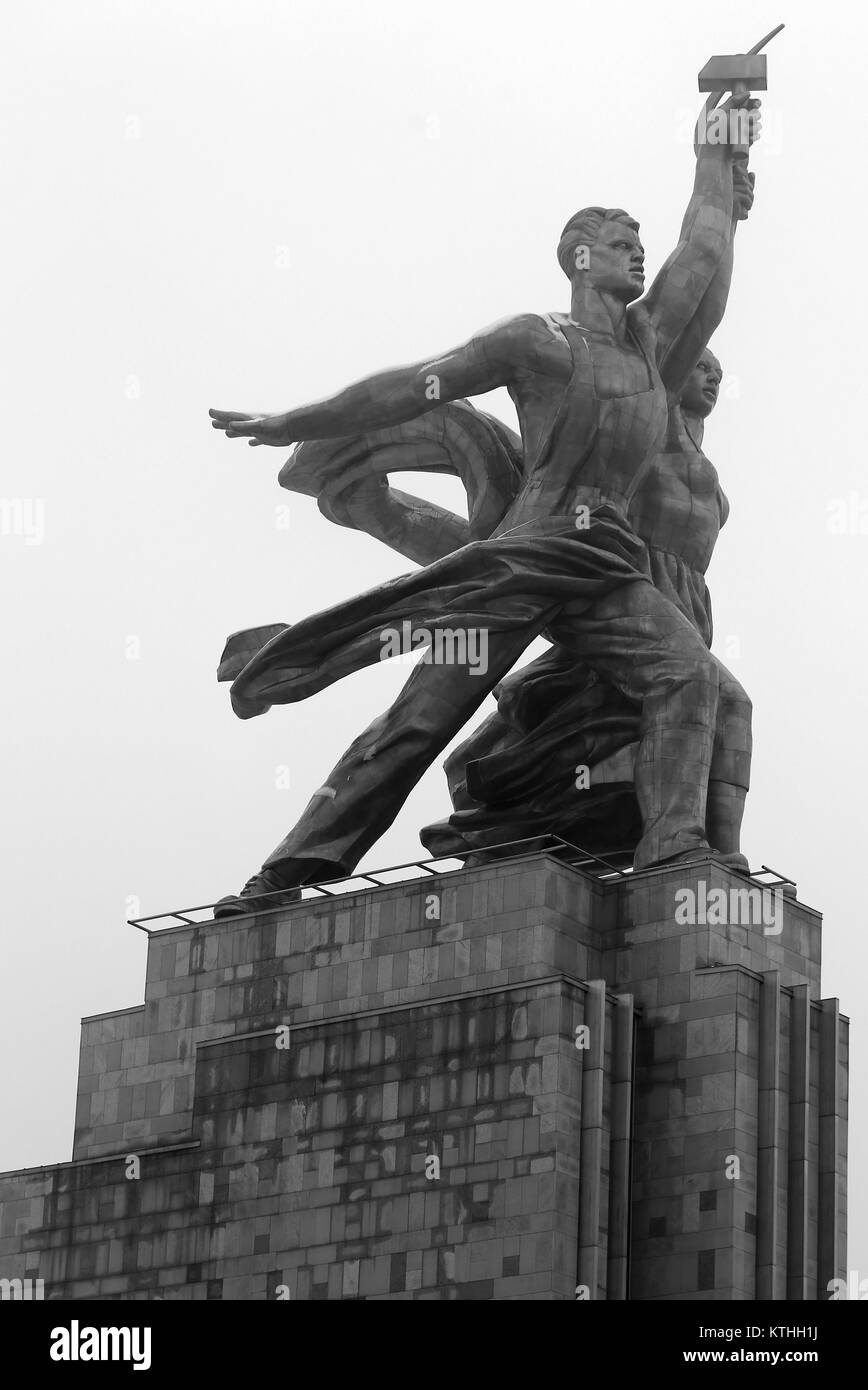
column 592, row 409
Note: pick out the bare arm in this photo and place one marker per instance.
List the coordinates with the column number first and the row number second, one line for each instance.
column 705, row 242
column 687, row 350
column 488, row 360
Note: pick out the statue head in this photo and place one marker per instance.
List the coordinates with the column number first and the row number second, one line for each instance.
column 600, row 249
column 699, row 396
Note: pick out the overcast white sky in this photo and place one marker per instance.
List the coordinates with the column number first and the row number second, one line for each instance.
column 248, row 205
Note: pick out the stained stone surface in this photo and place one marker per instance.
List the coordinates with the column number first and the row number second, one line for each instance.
column 412, row 1036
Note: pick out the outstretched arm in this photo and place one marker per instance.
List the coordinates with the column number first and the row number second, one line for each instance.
column 686, row 352
column 705, row 241
column 390, row 398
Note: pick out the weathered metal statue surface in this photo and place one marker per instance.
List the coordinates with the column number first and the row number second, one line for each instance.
column 594, row 529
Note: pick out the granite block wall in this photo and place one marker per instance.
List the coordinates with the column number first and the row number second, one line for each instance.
column 376, row 1097
column 732, row 1197
column 513, row 1081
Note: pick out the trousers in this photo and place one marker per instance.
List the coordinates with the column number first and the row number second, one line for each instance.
column 631, row 636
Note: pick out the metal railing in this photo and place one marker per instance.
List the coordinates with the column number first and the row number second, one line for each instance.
column 584, row 860
column 604, row 870
column 777, row 880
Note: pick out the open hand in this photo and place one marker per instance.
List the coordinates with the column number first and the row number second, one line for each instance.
column 256, row 429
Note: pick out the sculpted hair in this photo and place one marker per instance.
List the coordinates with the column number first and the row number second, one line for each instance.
column 583, row 229
column 708, row 353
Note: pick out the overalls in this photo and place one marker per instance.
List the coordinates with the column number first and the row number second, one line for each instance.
column 587, row 588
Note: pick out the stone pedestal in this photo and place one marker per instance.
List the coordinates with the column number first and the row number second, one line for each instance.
column 741, row 1091
column 511, row 1081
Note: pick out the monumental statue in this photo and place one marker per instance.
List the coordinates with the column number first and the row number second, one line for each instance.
column 594, row 529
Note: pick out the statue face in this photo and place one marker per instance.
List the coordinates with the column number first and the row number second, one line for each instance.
column 617, row 262
column 699, row 396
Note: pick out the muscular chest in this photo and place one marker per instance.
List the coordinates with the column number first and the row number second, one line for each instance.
column 616, row 372
column 601, row 379
column 610, row 370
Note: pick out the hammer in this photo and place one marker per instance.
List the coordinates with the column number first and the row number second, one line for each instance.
column 738, row 73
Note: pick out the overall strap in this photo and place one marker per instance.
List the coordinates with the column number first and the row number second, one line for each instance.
column 576, row 415
column 644, row 335
column 577, row 424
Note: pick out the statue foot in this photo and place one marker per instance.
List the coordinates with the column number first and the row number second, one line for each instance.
column 269, row 889
column 260, row 893
column 735, row 861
